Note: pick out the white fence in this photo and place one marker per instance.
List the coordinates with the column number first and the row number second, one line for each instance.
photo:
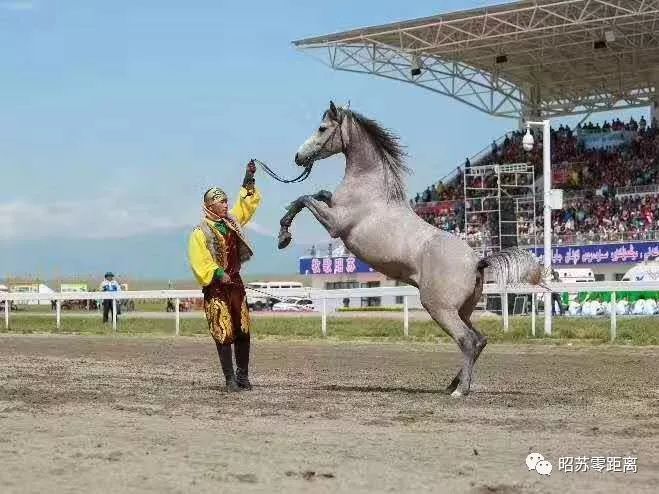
column 323, row 295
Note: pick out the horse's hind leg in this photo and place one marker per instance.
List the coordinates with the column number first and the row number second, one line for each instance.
column 465, row 314
column 294, row 208
column 466, row 339
column 481, row 342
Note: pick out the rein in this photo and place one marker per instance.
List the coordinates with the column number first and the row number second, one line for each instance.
column 302, row 177
column 307, row 168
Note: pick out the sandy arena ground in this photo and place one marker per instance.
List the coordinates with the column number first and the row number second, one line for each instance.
column 129, row 415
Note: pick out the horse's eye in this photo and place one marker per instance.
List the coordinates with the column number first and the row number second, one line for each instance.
column 322, row 129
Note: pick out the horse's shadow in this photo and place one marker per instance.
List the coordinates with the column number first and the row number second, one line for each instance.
column 380, row 389
column 400, row 389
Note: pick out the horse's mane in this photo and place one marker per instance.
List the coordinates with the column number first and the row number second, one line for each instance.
column 391, row 152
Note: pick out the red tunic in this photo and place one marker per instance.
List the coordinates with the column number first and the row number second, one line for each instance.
column 232, row 294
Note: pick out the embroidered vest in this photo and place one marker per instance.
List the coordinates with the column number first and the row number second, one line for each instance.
column 217, row 246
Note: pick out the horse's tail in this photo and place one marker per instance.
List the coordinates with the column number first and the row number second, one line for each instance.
column 511, row 266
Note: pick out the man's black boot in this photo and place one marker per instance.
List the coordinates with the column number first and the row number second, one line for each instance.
column 226, row 361
column 242, row 363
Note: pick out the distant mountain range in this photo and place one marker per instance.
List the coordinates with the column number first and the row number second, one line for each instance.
column 149, row 257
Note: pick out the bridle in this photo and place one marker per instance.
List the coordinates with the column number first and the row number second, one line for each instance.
column 307, row 168
column 338, row 127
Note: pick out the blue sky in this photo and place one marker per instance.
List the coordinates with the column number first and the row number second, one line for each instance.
column 116, row 116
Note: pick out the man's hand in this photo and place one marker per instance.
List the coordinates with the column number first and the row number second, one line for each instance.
column 248, row 181
column 221, row 277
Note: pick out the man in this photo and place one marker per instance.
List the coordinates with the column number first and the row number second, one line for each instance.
column 216, row 250
column 556, row 297
column 109, row 284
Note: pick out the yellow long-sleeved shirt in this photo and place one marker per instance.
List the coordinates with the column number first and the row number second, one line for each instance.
column 199, row 256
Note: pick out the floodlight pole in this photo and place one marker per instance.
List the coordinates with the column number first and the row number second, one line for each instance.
column 546, row 178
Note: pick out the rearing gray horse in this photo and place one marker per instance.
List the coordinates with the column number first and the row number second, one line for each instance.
column 369, row 211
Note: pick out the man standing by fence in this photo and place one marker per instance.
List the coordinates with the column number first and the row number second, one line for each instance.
column 556, row 297
column 109, row 284
column 216, row 250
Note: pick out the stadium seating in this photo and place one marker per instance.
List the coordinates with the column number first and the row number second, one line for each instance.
column 611, row 192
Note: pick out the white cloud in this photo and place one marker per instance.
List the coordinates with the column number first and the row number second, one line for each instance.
column 110, row 216
column 105, row 217
column 18, row 5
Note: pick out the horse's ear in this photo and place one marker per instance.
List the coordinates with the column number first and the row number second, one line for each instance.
column 333, row 113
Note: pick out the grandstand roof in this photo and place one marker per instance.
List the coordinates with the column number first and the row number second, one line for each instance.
column 533, row 58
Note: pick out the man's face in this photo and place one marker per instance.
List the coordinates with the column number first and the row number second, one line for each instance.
column 219, row 208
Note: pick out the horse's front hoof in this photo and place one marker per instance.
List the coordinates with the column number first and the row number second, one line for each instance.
column 284, row 239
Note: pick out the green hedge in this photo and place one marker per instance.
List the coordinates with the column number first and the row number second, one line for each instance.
column 606, row 296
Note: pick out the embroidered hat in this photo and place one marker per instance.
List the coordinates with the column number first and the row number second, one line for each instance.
column 214, row 195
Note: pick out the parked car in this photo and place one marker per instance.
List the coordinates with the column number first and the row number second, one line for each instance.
column 294, row 304
column 258, row 291
column 261, row 303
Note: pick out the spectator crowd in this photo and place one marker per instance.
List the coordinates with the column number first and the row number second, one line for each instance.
column 606, row 210
column 598, row 219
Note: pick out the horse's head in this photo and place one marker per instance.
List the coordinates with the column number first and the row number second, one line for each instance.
column 326, row 141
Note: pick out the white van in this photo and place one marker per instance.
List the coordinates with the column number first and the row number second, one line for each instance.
column 574, row 275
column 265, row 294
